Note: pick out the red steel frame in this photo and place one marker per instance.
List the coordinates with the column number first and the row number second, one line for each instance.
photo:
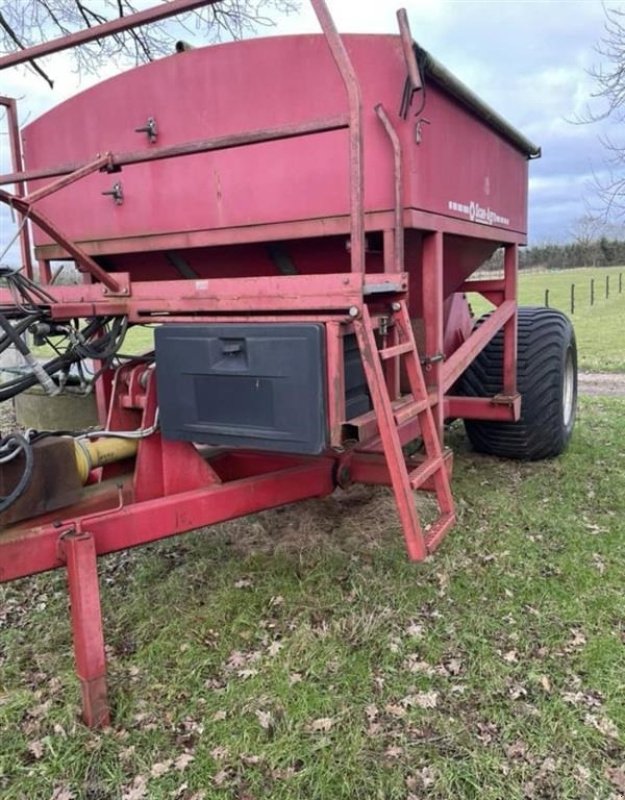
column 173, row 487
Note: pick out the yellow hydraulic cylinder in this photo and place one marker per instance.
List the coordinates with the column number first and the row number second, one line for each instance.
column 91, row 454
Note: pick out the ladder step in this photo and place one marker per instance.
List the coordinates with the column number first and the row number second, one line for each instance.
column 396, row 350
column 410, row 410
column 424, row 471
column 436, row 533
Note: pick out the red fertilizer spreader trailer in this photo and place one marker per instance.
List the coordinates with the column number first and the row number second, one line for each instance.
column 299, row 218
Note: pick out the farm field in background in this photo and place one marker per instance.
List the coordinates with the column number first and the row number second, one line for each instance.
column 599, row 328
column 298, row 654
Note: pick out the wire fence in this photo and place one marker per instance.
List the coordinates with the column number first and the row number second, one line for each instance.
column 591, row 292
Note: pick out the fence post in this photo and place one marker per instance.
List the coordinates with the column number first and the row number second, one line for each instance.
column 592, row 291
column 547, row 298
column 572, row 298
column 607, row 287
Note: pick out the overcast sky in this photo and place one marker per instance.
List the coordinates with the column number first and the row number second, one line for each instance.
column 529, row 60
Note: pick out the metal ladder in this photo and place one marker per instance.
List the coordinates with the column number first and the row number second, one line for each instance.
column 404, row 478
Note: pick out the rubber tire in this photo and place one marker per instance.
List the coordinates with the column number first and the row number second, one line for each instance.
column 546, row 342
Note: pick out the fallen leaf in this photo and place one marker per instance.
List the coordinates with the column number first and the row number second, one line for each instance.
column 395, row 710
column 161, row 768
column 511, row 656
column 220, row 753
column 422, row 700
column 265, row 719
column 274, row 648
column 247, row 673
column 243, row 583
column 62, row 793
column 578, row 640
column 136, row 791
column 221, row 777
column 323, row 724
column 545, row 683
column 427, row 776
column 603, row 725
column 36, row 748
column 295, row 677
column 250, row 760
column 183, row 761
column 516, row 750
column 616, row 777
column 454, row 666
column 219, row 716
column 393, row 752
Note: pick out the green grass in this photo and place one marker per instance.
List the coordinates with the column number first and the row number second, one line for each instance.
column 598, row 328
column 297, row 654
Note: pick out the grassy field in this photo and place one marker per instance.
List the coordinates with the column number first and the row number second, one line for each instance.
column 599, row 328
column 299, row 655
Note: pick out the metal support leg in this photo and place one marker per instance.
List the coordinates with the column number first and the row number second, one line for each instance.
column 433, row 319
column 511, row 258
column 84, row 594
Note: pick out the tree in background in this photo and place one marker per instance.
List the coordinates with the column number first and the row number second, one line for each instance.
column 608, row 101
column 27, row 22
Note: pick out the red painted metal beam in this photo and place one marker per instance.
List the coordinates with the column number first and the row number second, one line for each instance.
column 501, row 409
column 15, row 144
column 356, row 165
column 326, row 294
column 26, row 551
column 456, row 364
column 84, row 594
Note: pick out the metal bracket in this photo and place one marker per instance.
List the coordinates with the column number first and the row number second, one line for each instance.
column 437, row 358
column 150, row 129
column 123, row 286
column 116, row 192
column 505, row 399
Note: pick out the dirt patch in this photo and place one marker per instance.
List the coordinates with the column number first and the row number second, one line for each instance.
column 602, row 384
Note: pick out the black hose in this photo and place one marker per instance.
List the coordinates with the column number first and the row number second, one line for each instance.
column 21, row 444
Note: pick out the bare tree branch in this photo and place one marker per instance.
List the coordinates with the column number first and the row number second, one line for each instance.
column 14, row 37
column 29, row 22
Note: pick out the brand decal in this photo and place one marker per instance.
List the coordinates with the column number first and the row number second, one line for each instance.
column 477, row 213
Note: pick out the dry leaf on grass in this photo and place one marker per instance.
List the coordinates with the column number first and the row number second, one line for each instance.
column 265, row 719
column 616, row 777
column 322, row 725
column 161, row 768
column 603, row 725
column 395, row 710
column 183, row 761
column 36, row 748
column 220, row 753
column 137, row 790
column 62, row 793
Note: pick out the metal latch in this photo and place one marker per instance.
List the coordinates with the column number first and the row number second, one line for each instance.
column 435, row 359
column 116, row 192
column 150, row 129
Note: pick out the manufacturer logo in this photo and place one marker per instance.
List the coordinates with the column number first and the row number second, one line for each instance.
column 477, row 213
